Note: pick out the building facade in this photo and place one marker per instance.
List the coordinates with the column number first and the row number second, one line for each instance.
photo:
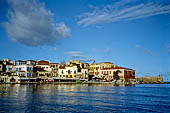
column 125, row 74
column 43, row 70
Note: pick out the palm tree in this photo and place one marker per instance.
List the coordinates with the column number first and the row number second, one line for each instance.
column 116, row 75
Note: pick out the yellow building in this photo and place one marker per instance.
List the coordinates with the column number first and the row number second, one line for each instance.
column 54, row 69
column 95, row 68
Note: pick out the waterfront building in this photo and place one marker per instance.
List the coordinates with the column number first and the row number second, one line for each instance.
column 74, row 70
column 31, row 62
column 82, row 69
column 44, row 64
column 106, row 65
column 43, row 70
column 67, row 72
column 9, row 73
column 54, row 69
column 62, row 71
column 84, row 74
column 95, row 69
column 2, row 68
column 73, row 62
column 23, row 70
column 125, row 74
column 7, row 61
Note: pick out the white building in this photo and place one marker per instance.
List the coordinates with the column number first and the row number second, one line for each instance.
column 22, row 69
column 67, row 72
column 44, row 64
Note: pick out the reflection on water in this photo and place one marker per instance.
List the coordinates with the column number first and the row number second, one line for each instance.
column 84, row 98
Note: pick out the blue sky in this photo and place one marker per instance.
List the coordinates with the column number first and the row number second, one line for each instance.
column 127, row 33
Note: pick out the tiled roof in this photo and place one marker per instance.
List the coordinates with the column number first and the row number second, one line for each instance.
column 43, row 62
column 108, row 62
column 116, row 68
column 21, row 71
column 62, row 68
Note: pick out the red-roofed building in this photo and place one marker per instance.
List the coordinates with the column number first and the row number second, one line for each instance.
column 125, row 73
column 44, row 64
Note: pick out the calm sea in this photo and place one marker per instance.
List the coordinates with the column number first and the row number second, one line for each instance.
column 97, row 98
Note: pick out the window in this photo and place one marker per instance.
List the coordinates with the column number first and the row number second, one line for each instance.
column 82, row 65
column 74, row 72
column 79, row 69
column 29, row 68
column 29, row 74
column 62, row 72
column 69, row 72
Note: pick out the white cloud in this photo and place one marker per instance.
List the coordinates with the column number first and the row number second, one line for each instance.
column 77, row 55
column 62, row 29
column 123, row 10
column 88, row 59
column 30, row 23
column 73, row 53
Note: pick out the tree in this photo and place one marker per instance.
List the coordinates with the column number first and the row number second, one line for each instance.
column 116, row 75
